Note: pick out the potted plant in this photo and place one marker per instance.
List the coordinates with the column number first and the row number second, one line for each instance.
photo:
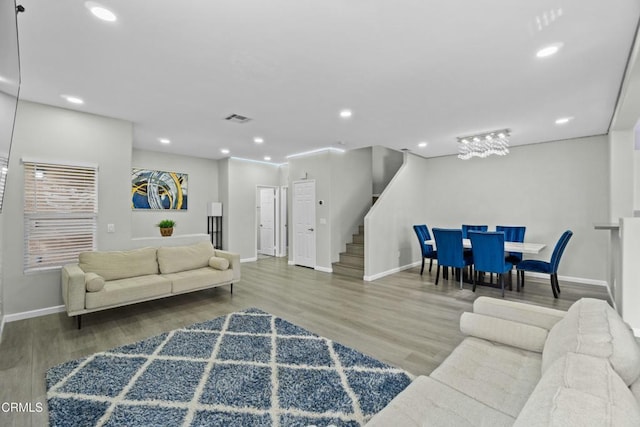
column 166, row 227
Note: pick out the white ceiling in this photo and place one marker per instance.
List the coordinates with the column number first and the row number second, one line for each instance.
column 410, row 70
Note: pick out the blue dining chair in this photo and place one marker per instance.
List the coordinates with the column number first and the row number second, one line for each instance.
column 488, row 255
column 466, row 228
column 550, row 268
column 513, row 234
column 450, row 251
column 427, row 250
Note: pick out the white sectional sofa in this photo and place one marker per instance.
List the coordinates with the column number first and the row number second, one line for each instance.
column 103, row 280
column 524, row 365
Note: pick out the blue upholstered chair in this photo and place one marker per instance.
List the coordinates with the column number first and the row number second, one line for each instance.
column 513, row 234
column 488, row 255
column 550, row 268
column 466, row 228
column 450, row 251
column 427, row 250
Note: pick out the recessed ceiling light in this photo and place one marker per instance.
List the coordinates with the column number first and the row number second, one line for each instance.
column 164, row 140
column 345, row 114
column 224, row 151
column 422, row 144
column 258, row 140
column 267, row 158
column 563, row 120
column 100, row 11
column 546, row 51
column 73, row 99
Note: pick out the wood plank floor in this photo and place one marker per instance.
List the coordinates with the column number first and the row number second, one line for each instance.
column 402, row 319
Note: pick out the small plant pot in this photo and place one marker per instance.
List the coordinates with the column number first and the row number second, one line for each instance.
column 166, row 232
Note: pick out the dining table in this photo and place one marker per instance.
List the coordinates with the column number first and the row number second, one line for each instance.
column 523, row 247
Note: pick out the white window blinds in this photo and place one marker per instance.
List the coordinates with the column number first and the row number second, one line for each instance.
column 60, row 213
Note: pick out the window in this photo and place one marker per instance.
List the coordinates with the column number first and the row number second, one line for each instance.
column 60, row 213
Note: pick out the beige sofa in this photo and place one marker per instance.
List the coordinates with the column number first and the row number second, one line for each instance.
column 103, row 280
column 524, row 365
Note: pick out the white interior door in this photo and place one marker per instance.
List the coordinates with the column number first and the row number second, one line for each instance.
column 267, row 221
column 304, row 223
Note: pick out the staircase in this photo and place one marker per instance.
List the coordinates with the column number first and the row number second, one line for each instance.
column 352, row 261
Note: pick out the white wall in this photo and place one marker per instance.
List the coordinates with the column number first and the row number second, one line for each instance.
column 547, row 187
column 242, row 182
column 55, row 134
column 621, row 169
column 385, row 164
column 202, row 189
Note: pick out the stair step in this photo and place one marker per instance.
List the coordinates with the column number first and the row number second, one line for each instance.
column 355, row 249
column 358, row 238
column 361, row 229
column 348, row 270
column 352, row 259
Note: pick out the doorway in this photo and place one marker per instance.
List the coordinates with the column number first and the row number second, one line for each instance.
column 267, row 229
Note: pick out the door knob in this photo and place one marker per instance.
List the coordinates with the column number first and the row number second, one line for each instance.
column 310, row 229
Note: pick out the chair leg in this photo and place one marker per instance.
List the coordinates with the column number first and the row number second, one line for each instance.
column 430, row 264
column 79, row 321
column 555, row 275
column 437, row 274
column 422, row 269
column 510, row 281
column 553, row 286
column 518, row 280
column 501, row 281
column 460, row 270
column 522, row 282
column 475, row 281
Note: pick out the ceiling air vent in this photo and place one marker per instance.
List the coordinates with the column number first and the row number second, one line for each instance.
column 237, row 118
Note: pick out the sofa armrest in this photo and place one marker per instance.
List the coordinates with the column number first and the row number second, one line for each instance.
column 528, row 314
column 234, row 262
column 73, row 288
column 507, row 332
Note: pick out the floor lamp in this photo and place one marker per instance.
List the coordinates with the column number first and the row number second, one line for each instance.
column 214, row 223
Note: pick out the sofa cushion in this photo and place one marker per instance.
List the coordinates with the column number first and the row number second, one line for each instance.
column 172, row 259
column 218, row 263
column 93, row 282
column 580, row 390
column 515, row 334
column 119, row 264
column 498, row 376
column 184, row 281
column 593, row 328
column 427, row 402
column 125, row 291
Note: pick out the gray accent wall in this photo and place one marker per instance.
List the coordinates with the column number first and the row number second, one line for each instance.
column 202, row 190
column 548, row 187
column 385, row 163
column 55, row 134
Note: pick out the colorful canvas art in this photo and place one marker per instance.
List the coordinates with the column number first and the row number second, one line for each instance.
column 158, row 189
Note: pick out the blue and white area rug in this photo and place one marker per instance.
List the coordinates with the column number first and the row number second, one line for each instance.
column 248, row 368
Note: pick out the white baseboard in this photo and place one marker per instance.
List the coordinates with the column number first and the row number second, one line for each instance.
column 291, row 262
column 636, row 332
column 570, row 279
column 392, row 271
column 324, row 269
column 255, row 258
column 33, row 313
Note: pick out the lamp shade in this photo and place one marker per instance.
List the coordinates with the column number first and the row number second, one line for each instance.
column 214, row 209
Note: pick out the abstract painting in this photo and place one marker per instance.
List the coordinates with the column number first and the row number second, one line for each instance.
column 152, row 189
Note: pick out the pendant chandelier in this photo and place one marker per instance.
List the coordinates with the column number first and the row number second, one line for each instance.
column 484, row 144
